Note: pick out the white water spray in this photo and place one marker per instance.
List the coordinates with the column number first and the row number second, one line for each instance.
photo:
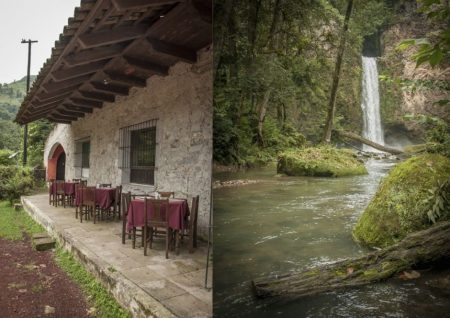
column 370, row 105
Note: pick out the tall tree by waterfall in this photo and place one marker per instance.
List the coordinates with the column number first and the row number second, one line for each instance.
column 336, row 76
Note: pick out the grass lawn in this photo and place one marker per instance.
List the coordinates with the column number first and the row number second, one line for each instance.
column 15, row 225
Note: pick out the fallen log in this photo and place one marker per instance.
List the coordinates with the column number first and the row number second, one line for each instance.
column 419, row 248
column 350, row 135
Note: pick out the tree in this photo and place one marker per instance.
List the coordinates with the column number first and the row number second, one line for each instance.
column 336, row 76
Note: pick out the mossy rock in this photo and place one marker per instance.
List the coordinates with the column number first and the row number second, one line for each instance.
column 320, row 162
column 399, row 206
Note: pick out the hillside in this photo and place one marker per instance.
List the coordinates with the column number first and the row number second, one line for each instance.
column 11, row 96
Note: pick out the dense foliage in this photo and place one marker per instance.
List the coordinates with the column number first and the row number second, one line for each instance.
column 11, row 134
column 14, row 182
column 273, row 63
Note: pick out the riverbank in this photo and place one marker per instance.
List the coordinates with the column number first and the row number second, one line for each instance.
column 289, row 223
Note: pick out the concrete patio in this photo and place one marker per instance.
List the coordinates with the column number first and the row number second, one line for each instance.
column 148, row 286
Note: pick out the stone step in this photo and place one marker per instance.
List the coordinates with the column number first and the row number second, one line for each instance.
column 44, row 243
column 40, row 235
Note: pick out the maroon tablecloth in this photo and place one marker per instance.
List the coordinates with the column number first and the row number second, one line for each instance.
column 69, row 188
column 104, row 197
column 178, row 213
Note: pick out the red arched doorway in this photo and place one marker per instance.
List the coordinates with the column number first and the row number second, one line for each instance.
column 56, row 168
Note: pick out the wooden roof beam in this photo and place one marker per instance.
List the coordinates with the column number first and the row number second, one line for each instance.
column 46, row 106
column 93, row 55
column 63, row 117
column 69, row 113
column 57, row 86
column 75, row 108
column 122, row 5
column 126, row 79
column 120, row 34
column 43, row 97
column 52, row 101
column 204, row 9
column 111, row 88
column 83, row 102
column 147, row 65
column 179, row 52
column 59, row 121
column 78, row 71
column 102, row 97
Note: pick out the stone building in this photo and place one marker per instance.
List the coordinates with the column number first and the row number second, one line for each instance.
column 129, row 87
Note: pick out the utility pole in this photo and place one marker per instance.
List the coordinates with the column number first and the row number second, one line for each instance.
column 25, row 130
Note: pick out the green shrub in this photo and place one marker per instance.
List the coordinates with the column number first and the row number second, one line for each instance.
column 322, row 161
column 5, row 159
column 402, row 202
column 14, row 182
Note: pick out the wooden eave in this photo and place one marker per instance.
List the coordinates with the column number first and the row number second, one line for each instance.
column 110, row 46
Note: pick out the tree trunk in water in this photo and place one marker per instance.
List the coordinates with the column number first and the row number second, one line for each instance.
column 336, row 75
column 420, row 248
column 262, row 115
column 356, row 137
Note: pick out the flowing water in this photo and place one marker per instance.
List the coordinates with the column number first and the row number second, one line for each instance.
column 370, row 105
column 289, row 223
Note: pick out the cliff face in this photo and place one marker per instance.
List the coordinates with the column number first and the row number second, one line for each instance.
column 407, row 90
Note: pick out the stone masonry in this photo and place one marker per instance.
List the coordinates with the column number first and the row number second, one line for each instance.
column 182, row 103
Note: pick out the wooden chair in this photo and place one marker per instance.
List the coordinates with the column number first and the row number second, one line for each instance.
column 166, row 194
column 159, row 219
column 78, row 186
column 135, row 232
column 87, row 203
column 76, row 180
column 51, row 192
column 60, row 193
column 125, row 200
column 191, row 231
column 117, row 206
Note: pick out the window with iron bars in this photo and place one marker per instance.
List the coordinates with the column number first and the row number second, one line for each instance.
column 138, row 152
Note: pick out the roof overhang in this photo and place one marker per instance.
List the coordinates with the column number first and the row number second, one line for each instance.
column 110, row 46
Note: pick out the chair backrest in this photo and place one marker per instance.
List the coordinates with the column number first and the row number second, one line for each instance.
column 105, row 185
column 79, row 185
column 118, row 194
column 87, row 195
column 126, row 200
column 76, row 180
column 194, row 213
column 160, row 209
column 83, row 182
column 166, row 194
column 59, row 186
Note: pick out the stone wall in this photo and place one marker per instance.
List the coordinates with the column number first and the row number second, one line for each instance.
column 182, row 103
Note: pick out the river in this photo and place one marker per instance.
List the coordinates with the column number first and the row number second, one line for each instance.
column 289, row 223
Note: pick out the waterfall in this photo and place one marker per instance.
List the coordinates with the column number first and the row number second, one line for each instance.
column 370, row 105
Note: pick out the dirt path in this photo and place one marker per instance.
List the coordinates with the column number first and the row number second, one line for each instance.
column 30, row 281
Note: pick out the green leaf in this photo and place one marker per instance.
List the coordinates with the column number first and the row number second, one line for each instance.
column 442, row 102
column 436, row 57
column 406, row 44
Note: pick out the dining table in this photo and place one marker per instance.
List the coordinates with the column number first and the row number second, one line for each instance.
column 104, row 197
column 177, row 217
column 69, row 188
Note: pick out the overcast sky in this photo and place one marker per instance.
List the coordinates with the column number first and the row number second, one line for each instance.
column 41, row 20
